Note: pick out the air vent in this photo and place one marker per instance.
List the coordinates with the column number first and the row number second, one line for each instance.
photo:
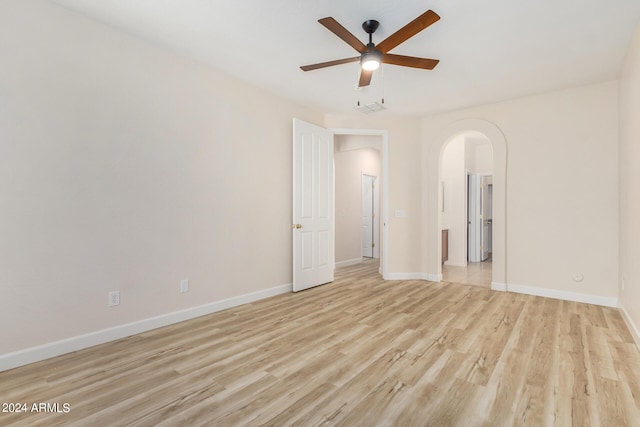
column 370, row 108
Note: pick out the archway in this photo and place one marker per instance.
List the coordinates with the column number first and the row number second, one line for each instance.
column 465, row 209
column 434, row 221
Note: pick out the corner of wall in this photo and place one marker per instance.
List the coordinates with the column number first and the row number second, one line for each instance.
column 633, row 328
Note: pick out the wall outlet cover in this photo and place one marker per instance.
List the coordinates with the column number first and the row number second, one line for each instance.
column 114, row 298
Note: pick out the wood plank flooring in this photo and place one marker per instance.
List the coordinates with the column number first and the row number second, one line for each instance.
column 474, row 273
column 357, row 352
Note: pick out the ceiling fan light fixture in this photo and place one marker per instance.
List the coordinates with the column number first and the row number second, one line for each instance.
column 371, row 57
column 371, row 60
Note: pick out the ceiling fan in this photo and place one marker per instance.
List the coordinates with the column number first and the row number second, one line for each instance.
column 371, row 55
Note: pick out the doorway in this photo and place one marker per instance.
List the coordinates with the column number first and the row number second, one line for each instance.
column 314, row 186
column 466, row 173
column 361, row 154
column 434, row 191
column 357, row 170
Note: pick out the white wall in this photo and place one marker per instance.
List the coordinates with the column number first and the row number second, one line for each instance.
column 630, row 186
column 123, row 166
column 350, row 163
column 562, row 184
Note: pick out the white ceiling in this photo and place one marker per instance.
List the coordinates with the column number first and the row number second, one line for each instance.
column 489, row 50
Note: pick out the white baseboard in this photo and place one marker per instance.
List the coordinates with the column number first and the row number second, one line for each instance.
column 434, row 277
column 42, row 352
column 349, row 262
column 563, row 295
column 497, row 286
column 633, row 328
column 406, row 276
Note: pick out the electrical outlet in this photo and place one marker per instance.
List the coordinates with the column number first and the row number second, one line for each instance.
column 114, row 298
column 184, row 285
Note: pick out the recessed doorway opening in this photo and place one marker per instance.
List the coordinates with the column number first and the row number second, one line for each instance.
column 361, row 162
column 466, row 211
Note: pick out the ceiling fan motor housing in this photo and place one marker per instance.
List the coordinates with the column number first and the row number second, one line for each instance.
column 370, row 26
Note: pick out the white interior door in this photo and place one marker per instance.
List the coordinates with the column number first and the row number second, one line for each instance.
column 368, row 183
column 313, row 206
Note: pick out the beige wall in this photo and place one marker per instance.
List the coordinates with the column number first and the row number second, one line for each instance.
column 126, row 167
column 630, row 186
column 562, row 187
column 349, row 167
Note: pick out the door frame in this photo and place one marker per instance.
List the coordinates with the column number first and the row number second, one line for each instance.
column 384, row 187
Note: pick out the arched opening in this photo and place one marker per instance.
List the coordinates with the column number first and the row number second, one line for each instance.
column 466, row 194
column 499, row 184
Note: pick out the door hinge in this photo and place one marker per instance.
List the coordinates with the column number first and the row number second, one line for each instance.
column 373, row 245
column 373, row 216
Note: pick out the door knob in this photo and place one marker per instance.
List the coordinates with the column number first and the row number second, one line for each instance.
column 298, row 225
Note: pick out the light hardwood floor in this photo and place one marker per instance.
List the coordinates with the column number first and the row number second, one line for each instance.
column 357, row 352
column 475, row 273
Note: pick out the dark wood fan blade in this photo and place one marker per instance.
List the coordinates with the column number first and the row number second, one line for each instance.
column 408, row 31
column 329, row 63
column 410, row 61
column 365, row 78
column 340, row 31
